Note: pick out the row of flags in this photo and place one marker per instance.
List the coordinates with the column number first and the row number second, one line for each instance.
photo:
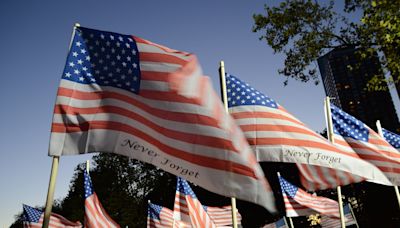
column 126, row 95
column 95, row 215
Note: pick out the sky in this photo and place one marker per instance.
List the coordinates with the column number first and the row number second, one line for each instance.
column 34, row 43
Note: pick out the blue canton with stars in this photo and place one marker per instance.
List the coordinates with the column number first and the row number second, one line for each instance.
column 392, row 138
column 183, row 187
column 348, row 126
column 154, row 211
column 87, row 184
column 287, row 187
column 104, row 58
column 240, row 93
column 31, row 214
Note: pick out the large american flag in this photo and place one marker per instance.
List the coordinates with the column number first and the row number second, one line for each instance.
column 221, row 216
column 328, row 222
column 300, row 203
column 122, row 94
column 33, row 218
column 352, row 135
column 188, row 208
column 162, row 217
column 276, row 135
column 95, row 215
column 278, row 224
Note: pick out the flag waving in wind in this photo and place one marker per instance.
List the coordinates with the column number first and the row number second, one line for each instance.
column 33, row 218
column 221, row 216
column 300, row 203
column 95, row 215
column 352, row 135
column 392, row 138
column 275, row 135
column 162, row 217
column 122, row 94
column 187, row 200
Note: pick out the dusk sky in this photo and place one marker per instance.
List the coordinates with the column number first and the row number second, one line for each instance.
column 34, row 43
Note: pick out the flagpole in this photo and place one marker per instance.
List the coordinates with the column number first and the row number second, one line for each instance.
column 87, row 166
column 380, row 132
column 352, row 213
column 331, row 139
column 54, row 169
column 225, row 102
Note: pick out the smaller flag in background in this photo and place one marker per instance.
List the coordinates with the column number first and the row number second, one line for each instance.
column 327, row 222
column 33, row 218
column 186, row 200
column 278, row 224
column 300, row 203
column 162, row 217
column 392, row 138
column 95, row 215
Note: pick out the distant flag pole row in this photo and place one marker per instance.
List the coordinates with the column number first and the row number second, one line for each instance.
column 225, row 102
column 330, row 138
column 380, row 132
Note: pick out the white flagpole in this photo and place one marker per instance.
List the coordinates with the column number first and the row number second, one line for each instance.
column 291, row 222
column 87, row 166
column 331, row 139
column 380, row 132
column 352, row 213
column 54, row 170
column 225, row 102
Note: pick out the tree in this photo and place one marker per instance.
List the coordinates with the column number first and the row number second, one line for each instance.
column 304, row 30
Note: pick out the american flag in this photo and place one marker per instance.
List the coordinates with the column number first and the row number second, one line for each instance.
column 277, row 136
column 278, row 224
column 392, row 138
column 122, row 94
column 352, row 135
column 162, row 217
column 327, row 222
column 95, row 215
column 188, row 208
column 300, row 203
column 33, row 218
column 221, row 216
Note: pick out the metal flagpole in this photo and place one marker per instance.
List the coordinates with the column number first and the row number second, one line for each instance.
column 54, row 170
column 380, row 132
column 225, row 102
column 330, row 137
column 87, row 166
column 352, row 214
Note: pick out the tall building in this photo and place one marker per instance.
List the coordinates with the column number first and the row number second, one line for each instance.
column 347, row 87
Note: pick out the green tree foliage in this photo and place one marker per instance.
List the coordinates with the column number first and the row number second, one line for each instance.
column 303, row 30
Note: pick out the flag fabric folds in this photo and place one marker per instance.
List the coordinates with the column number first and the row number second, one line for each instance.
column 33, row 218
column 300, row 203
column 221, row 216
column 275, row 135
column 353, row 136
column 278, row 224
column 327, row 222
column 95, row 215
column 188, row 208
column 126, row 95
column 392, row 138
column 162, row 217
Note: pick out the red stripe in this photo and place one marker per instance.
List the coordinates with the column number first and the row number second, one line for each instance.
column 163, row 58
column 209, row 162
column 266, row 115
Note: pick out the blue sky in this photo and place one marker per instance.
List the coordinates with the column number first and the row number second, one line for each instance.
column 34, row 42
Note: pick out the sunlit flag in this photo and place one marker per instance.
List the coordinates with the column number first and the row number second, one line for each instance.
column 392, row 138
column 277, row 136
column 221, row 216
column 95, row 215
column 122, row 94
column 162, row 217
column 352, row 135
column 300, row 203
column 328, row 222
column 33, row 218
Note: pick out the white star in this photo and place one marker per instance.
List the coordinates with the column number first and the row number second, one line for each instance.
column 80, row 61
column 102, row 36
column 75, row 54
column 134, row 52
column 134, row 65
column 68, row 74
column 78, row 44
column 108, row 43
column 111, row 37
column 83, row 51
column 76, row 72
column 87, row 58
column 81, row 79
column 128, row 58
column 118, row 57
column 120, row 38
column 71, row 64
column 124, row 64
column 135, row 78
column 84, row 68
